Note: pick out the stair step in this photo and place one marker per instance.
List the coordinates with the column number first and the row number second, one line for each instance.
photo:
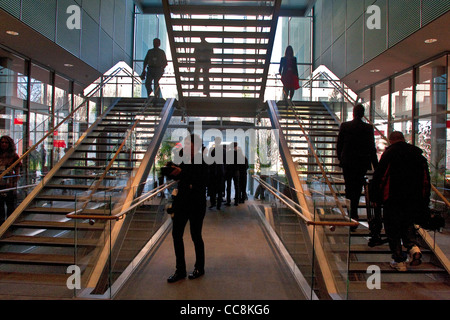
column 96, row 168
column 50, row 210
column 425, row 267
column 49, row 241
column 106, row 151
column 75, row 187
column 98, row 159
column 83, row 176
column 69, row 198
column 31, row 258
column 36, row 224
column 34, row 278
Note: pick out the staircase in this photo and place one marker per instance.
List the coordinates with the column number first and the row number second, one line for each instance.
column 322, row 129
column 40, row 241
column 221, row 51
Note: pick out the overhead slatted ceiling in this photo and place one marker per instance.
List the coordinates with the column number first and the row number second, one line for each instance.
column 11, row 6
column 404, row 19
column 41, row 16
column 432, row 9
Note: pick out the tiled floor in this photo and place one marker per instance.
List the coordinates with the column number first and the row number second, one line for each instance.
column 240, row 265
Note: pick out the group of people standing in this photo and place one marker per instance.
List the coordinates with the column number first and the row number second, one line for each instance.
column 196, row 180
column 223, row 174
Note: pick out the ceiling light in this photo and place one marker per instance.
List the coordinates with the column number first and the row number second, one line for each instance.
column 68, row 65
column 12, row 33
column 375, row 70
column 431, row 40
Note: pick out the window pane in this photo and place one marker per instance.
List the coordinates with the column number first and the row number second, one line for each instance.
column 402, row 96
column 381, row 109
column 431, row 87
column 13, row 80
column 40, row 89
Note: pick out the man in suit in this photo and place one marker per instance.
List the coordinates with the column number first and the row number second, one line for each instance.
column 356, row 152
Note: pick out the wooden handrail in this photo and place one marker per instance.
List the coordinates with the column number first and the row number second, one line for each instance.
column 304, row 218
column 96, row 184
column 93, row 189
column 319, row 163
column 120, row 215
column 352, row 102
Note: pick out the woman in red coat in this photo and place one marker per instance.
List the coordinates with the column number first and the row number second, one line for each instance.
column 289, row 73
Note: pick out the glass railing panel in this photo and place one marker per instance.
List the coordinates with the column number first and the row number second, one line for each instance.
column 92, row 237
column 331, row 241
column 144, row 217
column 290, row 228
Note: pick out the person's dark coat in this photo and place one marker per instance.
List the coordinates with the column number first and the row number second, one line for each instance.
column 402, row 177
column 356, row 145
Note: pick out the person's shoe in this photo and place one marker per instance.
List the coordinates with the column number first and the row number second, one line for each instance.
column 416, row 256
column 228, row 204
column 196, row 274
column 176, row 276
column 376, row 241
column 399, row 266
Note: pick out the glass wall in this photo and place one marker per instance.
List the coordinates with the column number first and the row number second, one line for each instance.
column 294, row 31
column 147, row 28
column 419, row 109
column 380, row 113
column 13, row 97
column 31, row 104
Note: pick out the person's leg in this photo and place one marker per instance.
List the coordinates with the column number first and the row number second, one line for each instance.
column 2, row 207
column 219, row 193
column 393, row 232
column 198, row 68
column 354, row 182
column 291, row 93
column 179, row 224
column 206, row 86
column 157, row 77
column 229, row 178
column 11, row 202
column 196, row 224
column 236, row 187
column 148, row 83
column 410, row 241
column 212, row 190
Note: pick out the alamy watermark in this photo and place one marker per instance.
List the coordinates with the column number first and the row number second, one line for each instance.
column 374, row 280
column 259, row 144
column 74, row 280
column 74, row 20
column 374, row 20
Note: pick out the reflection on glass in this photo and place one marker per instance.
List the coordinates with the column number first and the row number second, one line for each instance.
column 13, row 80
column 431, row 93
column 402, row 96
column 40, row 89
